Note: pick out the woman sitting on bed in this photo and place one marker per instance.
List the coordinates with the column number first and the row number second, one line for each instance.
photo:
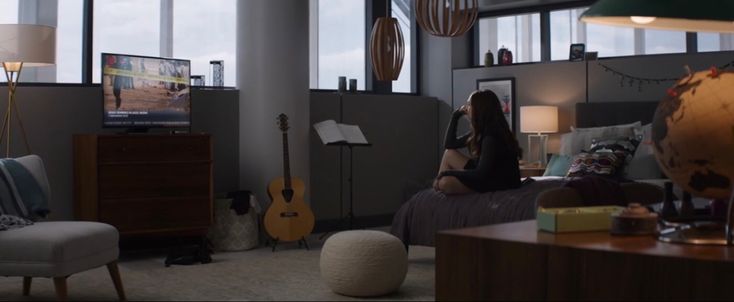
column 493, row 164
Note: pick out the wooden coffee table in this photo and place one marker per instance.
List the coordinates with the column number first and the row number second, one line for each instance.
column 514, row 261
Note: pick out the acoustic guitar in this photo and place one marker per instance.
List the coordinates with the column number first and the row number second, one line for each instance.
column 288, row 218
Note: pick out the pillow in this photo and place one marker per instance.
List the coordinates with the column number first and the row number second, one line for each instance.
column 623, row 147
column 579, row 138
column 558, row 165
column 598, row 163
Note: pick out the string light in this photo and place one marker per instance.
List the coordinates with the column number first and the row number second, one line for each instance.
column 640, row 81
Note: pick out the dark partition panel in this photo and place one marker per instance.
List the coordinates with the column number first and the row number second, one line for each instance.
column 403, row 156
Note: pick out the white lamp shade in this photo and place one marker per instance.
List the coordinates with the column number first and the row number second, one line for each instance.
column 33, row 45
column 538, row 119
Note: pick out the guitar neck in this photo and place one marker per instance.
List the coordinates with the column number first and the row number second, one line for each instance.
column 286, row 162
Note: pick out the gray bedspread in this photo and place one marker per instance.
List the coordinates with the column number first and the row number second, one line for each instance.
column 428, row 211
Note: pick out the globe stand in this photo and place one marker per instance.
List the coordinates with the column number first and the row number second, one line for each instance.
column 702, row 233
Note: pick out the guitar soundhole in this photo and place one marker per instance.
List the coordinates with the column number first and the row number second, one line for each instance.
column 288, row 214
column 287, row 194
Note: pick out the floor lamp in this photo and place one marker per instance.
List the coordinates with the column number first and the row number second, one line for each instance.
column 538, row 120
column 22, row 45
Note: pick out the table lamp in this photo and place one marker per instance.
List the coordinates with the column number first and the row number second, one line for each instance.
column 697, row 97
column 22, row 45
column 538, row 120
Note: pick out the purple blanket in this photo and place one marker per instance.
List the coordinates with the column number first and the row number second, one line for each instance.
column 428, row 211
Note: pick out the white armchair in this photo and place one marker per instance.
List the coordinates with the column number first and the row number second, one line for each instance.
column 57, row 250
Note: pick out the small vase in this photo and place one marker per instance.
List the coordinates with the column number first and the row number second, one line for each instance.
column 488, row 59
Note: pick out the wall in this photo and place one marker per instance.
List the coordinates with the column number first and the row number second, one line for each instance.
column 563, row 83
column 402, row 158
column 52, row 115
column 273, row 76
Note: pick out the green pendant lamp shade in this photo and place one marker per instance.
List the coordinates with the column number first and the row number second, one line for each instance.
column 683, row 15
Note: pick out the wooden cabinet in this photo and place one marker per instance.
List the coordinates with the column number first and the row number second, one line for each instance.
column 145, row 184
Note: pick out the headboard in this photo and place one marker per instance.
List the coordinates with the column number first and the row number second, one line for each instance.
column 614, row 113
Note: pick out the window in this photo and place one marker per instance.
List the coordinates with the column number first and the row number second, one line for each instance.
column 69, row 31
column 609, row 41
column 664, row 41
column 519, row 34
column 9, row 11
column 202, row 33
column 715, row 42
column 127, row 27
column 565, row 30
column 401, row 10
column 338, row 42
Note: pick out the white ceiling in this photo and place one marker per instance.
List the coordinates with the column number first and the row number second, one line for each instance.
column 491, row 5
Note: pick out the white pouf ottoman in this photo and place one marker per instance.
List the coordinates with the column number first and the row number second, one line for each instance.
column 363, row 263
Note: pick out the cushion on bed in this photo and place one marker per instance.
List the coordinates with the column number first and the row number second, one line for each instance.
column 558, row 165
column 579, row 138
column 599, row 163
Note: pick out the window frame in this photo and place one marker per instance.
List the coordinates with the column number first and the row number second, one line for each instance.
column 373, row 9
column 545, row 31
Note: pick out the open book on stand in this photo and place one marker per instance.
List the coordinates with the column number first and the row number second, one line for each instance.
column 332, row 133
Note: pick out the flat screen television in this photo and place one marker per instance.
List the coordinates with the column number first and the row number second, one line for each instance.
column 145, row 92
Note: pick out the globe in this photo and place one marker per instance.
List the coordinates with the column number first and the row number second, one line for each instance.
column 693, row 134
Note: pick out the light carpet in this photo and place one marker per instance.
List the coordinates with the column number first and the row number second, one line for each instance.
column 288, row 274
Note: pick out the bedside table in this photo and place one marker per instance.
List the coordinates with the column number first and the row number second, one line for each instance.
column 531, row 171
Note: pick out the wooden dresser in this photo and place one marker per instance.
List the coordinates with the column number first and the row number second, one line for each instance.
column 145, row 184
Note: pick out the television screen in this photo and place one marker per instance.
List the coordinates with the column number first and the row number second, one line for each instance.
column 145, row 92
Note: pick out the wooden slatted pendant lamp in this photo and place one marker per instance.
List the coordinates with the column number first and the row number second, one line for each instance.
column 446, row 18
column 387, row 48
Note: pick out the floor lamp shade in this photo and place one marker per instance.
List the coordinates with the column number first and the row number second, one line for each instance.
column 32, row 45
column 22, row 45
column 387, row 49
column 684, row 15
column 538, row 119
column 446, row 18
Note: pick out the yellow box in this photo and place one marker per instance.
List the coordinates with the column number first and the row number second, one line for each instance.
column 581, row 219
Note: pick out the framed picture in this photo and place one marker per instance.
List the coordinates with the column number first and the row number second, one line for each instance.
column 577, row 52
column 504, row 88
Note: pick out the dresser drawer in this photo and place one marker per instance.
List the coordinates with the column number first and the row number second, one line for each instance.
column 154, row 180
column 146, row 215
column 153, row 148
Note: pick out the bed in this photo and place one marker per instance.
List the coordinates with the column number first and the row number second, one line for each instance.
column 428, row 211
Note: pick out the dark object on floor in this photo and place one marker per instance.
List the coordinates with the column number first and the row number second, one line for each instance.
column 189, row 255
column 240, row 201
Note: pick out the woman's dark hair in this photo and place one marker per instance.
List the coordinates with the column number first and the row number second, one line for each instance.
column 488, row 119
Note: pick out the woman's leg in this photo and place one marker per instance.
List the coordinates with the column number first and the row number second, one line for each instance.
column 452, row 160
column 450, row 185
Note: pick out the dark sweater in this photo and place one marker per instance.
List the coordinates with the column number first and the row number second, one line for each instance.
column 495, row 169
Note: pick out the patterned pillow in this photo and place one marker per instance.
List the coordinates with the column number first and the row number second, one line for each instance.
column 606, row 157
column 597, row 163
column 623, row 147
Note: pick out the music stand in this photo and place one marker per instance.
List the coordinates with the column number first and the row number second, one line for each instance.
column 350, row 215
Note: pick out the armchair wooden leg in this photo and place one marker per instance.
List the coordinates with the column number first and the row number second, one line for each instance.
column 60, row 285
column 115, row 274
column 27, row 286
